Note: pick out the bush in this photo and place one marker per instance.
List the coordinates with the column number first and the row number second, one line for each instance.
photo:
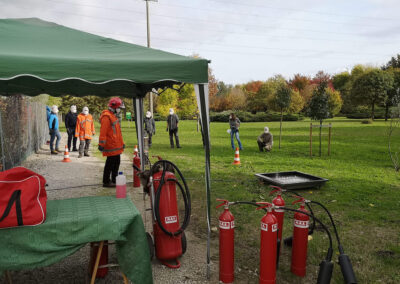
column 245, row 116
column 364, row 112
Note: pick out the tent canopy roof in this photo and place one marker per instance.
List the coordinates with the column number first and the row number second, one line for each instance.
column 43, row 57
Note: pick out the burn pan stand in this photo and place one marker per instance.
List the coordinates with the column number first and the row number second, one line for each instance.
column 292, row 180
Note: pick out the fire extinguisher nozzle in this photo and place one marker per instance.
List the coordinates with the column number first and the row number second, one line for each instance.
column 325, row 272
column 347, row 269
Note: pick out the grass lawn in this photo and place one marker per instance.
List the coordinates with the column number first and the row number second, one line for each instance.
column 363, row 192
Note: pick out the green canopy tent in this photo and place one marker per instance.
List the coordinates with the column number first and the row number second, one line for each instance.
column 39, row 57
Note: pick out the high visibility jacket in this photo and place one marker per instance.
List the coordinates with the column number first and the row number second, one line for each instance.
column 110, row 134
column 84, row 127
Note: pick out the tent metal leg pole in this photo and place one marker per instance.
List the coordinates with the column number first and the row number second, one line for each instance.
column 138, row 103
column 202, row 101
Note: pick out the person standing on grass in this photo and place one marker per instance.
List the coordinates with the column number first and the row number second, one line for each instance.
column 265, row 140
column 149, row 126
column 234, row 124
column 70, row 125
column 53, row 130
column 111, row 143
column 84, row 130
column 172, row 127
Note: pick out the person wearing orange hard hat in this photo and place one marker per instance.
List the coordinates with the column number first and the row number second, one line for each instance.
column 84, row 130
column 111, row 143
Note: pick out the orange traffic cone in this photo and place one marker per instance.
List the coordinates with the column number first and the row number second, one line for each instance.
column 236, row 160
column 66, row 155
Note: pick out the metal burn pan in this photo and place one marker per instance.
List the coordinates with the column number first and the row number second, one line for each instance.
column 292, row 180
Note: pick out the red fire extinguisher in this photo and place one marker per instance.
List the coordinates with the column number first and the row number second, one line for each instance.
column 268, row 245
column 226, row 243
column 94, row 248
column 169, row 237
column 136, row 168
column 278, row 213
column 300, row 240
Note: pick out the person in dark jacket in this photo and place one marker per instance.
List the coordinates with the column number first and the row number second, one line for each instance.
column 265, row 140
column 172, row 127
column 149, row 126
column 70, row 125
column 234, row 124
column 54, row 132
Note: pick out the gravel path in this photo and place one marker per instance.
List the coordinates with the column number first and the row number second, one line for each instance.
column 65, row 180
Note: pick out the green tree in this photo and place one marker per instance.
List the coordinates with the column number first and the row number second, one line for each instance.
column 281, row 102
column 168, row 99
column 392, row 98
column 187, row 103
column 319, row 106
column 371, row 88
column 296, row 103
column 335, row 101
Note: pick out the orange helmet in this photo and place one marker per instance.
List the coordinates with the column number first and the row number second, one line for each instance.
column 116, row 103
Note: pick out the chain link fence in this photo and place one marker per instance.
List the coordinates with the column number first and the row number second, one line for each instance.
column 23, row 128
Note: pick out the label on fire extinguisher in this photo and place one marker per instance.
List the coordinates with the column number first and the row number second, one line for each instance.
column 300, row 224
column 226, row 225
column 170, row 219
column 264, row 227
column 274, row 227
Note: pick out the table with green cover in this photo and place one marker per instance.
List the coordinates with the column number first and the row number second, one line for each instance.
column 71, row 224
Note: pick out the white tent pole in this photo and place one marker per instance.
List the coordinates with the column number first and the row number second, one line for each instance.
column 203, row 104
column 139, row 128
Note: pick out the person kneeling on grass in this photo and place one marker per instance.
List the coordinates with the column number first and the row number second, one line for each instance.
column 265, row 140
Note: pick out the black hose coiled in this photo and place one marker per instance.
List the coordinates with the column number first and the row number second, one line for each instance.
column 185, row 193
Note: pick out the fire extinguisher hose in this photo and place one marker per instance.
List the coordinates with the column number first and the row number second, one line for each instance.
column 185, row 193
column 330, row 250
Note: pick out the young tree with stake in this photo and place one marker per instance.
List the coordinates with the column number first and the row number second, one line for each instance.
column 319, row 106
column 282, row 101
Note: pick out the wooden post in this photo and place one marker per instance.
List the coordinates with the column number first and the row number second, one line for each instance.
column 8, row 277
column 310, row 139
column 329, row 139
column 320, row 137
column 96, row 264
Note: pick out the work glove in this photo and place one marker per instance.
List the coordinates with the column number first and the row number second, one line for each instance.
column 101, row 148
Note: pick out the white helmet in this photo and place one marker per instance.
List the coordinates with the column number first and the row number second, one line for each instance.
column 148, row 114
column 73, row 108
column 171, row 111
column 85, row 110
column 266, row 129
column 54, row 109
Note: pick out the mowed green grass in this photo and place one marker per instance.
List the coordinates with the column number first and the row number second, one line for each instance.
column 363, row 192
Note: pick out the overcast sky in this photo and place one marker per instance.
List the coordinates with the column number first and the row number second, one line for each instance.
column 245, row 40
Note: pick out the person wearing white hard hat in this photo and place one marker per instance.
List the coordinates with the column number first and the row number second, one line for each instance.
column 172, row 128
column 149, row 126
column 84, row 130
column 70, row 125
column 265, row 140
column 54, row 130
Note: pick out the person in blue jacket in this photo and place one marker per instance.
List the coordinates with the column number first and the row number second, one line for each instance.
column 53, row 130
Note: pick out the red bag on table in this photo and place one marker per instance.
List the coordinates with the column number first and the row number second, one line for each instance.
column 22, row 198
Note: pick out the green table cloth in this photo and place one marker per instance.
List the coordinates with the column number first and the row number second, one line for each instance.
column 72, row 223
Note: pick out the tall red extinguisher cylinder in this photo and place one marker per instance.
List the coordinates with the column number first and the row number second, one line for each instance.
column 226, row 244
column 167, row 247
column 268, row 245
column 300, row 241
column 278, row 213
column 136, row 162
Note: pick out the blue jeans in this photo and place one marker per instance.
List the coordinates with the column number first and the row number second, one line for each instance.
column 236, row 133
column 53, row 135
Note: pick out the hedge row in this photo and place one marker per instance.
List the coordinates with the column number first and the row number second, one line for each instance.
column 245, row 116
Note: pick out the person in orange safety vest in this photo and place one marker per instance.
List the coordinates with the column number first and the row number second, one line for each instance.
column 111, row 143
column 84, row 130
